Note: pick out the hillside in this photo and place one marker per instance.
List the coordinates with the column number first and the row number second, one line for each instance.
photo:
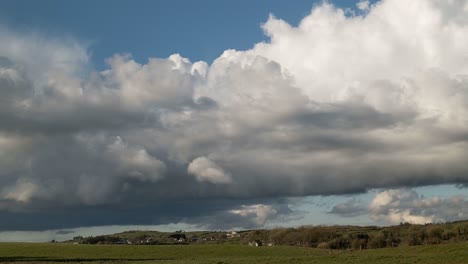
column 324, row 237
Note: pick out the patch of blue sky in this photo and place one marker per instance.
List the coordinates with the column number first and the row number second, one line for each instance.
column 198, row 30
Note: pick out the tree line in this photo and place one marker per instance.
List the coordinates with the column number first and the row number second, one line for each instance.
column 358, row 238
column 325, row 237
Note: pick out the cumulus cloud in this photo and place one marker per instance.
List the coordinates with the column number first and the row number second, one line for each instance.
column 136, row 162
column 406, row 205
column 248, row 216
column 258, row 213
column 363, row 5
column 205, row 169
column 338, row 104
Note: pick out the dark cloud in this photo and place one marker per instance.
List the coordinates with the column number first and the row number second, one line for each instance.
column 350, row 208
column 64, row 232
column 205, row 214
column 346, row 117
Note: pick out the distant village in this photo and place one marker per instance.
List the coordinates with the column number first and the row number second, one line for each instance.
column 160, row 238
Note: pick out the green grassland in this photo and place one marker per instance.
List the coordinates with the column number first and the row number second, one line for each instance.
column 226, row 253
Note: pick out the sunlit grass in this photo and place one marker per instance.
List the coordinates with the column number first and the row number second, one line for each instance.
column 223, row 253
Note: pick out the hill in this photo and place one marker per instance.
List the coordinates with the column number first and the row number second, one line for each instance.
column 324, row 237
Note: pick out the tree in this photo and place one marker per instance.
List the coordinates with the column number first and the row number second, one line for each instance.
column 434, row 234
column 378, row 241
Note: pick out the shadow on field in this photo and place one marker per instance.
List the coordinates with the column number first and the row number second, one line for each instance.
column 46, row 259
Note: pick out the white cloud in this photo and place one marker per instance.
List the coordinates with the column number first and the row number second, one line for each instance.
column 406, row 205
column 159, row 83
column 247, row 216
column 328, row 53
column 259, row 213
column 363, row 5
column 205, row 170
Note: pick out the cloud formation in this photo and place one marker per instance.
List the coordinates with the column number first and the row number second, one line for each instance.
column 205, row 169
column 349, row 208
column 248, row 216
column 363, row 5
column 406, row 205
column 339, row 104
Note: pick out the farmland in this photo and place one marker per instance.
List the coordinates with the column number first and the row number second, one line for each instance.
column 226, row 253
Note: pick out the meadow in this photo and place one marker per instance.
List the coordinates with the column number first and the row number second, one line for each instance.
column 456, row 253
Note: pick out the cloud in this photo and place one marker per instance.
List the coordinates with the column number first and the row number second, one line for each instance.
column 22, row 191
column 363, row 5
column 136, row 162
column 350, row 208
column 406, row 205
column 64, row 232
column 205, row 169
column 339, row 104
column 248, row 216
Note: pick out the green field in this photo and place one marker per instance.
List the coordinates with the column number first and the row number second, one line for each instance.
column 223, row 253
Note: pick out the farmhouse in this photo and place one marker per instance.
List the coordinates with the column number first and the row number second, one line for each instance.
column 232, row 234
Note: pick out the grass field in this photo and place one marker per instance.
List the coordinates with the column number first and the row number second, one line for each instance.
column 223, row 254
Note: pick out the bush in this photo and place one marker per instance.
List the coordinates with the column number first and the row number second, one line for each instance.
column 323, row 245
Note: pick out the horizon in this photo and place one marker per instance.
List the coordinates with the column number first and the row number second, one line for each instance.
column 230, row 116
column 64, row 235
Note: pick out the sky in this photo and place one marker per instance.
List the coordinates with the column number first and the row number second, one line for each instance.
column 199, row 30
column 218, row 115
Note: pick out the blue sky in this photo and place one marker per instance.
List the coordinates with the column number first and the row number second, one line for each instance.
column 357, row 116
column 198, row 30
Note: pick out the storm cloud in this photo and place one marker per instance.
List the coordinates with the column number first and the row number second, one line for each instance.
column 340, row 104
column 349, row 208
